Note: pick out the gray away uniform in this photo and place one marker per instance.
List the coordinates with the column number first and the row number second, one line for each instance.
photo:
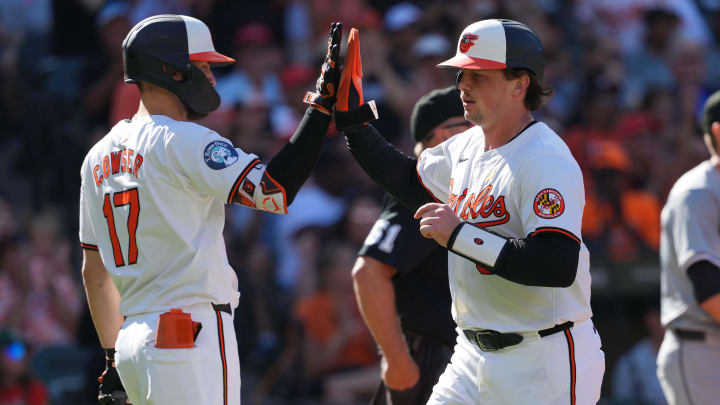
column 689, row 357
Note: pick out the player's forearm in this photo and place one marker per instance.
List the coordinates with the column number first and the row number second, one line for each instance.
column 549, row 259
column 376, row 299
column 393, row 170
column 294, row 163
column 103, row 300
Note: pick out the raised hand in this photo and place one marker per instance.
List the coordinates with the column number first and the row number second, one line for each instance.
column 326, row 87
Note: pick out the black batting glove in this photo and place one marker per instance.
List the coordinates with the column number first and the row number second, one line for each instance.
column 112, row 391
column 326, row 87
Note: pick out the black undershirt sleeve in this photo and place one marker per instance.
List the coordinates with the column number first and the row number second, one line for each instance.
column 705, row 279
column 548, row 259
column 391, row 169
column 294, row 163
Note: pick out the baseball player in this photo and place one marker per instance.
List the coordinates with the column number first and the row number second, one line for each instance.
column 506, row 199
column 400, row 277
column 689, row 357
column 159, row 286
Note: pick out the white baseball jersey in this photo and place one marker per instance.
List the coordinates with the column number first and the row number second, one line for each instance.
column 152, row 202
column 529, row 185
column 690, row 233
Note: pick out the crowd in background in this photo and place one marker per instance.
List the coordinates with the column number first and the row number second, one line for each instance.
column 629, row 79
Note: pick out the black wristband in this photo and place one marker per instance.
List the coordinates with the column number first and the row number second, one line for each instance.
column 110, row 353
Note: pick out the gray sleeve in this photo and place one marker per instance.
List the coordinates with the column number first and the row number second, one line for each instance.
column 696, row 228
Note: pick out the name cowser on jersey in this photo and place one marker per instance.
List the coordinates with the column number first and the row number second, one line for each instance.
column 152, row 203
column 530, row 185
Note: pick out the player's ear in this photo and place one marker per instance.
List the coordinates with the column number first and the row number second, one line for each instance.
column 715, row 129
column 521, row 84
column 713, row 138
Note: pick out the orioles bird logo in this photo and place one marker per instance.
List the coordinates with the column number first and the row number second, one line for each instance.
column 467, row 42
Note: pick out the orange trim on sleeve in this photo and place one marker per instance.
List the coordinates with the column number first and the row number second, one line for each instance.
column 88, row 246
column 240, row 178
column 560, row 230
column 437, row 200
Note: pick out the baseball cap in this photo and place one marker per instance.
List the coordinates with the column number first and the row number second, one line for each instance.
column 498, row 44
column 200, row 45
column 432, row 109
column 711, row 112
column 162, row 33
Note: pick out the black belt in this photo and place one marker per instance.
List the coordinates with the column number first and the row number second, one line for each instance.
column 492, row 340
column 223, row 308
column 690, row 334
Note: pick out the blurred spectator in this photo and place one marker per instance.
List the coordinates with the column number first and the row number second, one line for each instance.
column 8, row 225
column 124, row 98
column 402, row 22
column 712, row 53
column 649, row 66
column 352, row 13
column 17, row 385
column 359, row 219
column 620, row 222
column 313, row 205
column 635, row 380
column 298, row 31
column 562, row 74
column 254, row 76
column 338, row 351
column 251, row 127
column 105, row 71
column 147, row 8
column 40, row 298
column 622, row 20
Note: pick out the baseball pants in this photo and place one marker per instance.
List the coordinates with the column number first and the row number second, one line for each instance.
column 565, row 368
column 207, row 374
column 431, row 358
column 689, row 369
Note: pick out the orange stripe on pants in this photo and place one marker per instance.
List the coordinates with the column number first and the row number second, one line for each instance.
column 221, row 340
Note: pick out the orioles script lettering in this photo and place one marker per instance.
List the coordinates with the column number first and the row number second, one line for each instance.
column 483, row 205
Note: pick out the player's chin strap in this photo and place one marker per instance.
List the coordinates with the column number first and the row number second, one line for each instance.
column 478, row 245
column 350, row 110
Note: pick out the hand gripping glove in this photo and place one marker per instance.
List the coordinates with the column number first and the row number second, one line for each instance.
column 350, row 110
column 112, row 391
column 325, row 94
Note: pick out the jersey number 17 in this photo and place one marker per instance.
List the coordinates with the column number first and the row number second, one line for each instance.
column 119, row 199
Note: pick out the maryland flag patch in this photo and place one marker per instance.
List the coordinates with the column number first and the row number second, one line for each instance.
column 549, row 203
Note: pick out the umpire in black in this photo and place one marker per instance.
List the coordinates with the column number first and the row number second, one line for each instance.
column 401, row 279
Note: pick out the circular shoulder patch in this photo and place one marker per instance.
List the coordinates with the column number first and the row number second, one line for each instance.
column 219, row 155
column 549, row 203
